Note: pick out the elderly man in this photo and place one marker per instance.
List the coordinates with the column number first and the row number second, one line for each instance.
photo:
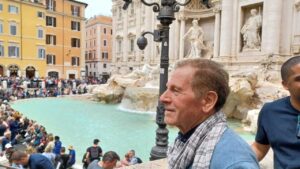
column 279, row 121
column 195, row 93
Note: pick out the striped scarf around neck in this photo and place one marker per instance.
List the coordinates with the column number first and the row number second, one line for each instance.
column 197, row 151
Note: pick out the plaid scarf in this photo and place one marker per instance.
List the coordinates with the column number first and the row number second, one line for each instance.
column 197, row 151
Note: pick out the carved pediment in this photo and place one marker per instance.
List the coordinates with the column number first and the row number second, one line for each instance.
column 195, row 5
column 119, row 37
column 130, row 34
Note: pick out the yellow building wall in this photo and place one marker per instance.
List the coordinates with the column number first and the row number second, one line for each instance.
column 27, row 36
column 31, row 42
column 63, row 49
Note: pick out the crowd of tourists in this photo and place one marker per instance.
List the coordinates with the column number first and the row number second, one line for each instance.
column 25, row 143
column 12, row 88
column 21, row 137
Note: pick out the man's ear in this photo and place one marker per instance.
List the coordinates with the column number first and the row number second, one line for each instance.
column 284, row 84
column 209, row 101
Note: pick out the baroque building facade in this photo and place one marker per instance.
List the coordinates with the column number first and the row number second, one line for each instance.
column 98, row 43
column 127, row 27
column 239, row 33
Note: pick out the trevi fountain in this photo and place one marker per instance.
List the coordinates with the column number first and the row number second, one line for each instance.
column 251, row 38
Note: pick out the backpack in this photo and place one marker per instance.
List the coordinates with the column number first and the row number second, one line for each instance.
column 139, row 160
column 94, row 153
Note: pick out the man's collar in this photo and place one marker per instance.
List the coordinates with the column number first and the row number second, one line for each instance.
column 184, row 137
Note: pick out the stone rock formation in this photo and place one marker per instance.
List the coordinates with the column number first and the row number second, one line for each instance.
column 241, row 97
column 251, row 120
column 113, row 91
column 142, row 99
column 107, row 93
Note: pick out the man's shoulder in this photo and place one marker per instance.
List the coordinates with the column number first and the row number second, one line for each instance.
column 230, row 138
column 277, row 103
column 277, row 106
column 94, row 148
column 37, row 156
column 94, row 165
column 233, row 151
column 40, row 160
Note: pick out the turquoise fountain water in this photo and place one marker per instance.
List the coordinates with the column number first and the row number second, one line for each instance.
column 78, row 122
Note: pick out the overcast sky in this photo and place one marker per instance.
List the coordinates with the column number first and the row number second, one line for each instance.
column 96, row 7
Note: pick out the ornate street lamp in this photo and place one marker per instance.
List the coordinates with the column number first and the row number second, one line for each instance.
column 166, row 11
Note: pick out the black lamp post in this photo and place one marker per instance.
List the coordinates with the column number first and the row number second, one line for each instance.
column 166, row 11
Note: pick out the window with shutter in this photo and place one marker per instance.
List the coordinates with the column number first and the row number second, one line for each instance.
column 51, row 59
column 54, row 5
column 50, row 21
column 13, row 9
column 48, row 59
column 1, row 27
column 13, row 50
column 1, row 49
column 54, row 40
column 13, row 29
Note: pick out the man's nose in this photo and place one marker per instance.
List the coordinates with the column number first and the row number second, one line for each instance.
column 164, row 97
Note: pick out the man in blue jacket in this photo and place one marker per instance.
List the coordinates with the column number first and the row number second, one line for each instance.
column 196, row 92
column 33, row 161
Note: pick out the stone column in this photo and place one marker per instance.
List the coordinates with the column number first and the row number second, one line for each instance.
column 177, row 40
column 182, row 32
column 296, row 33
column 148, row 22
column 138, row 16
column 235, row 30
column 217, row 33
column 271, row 26
column 172, row 36
column 226, row 27
column 296, row 18
column 153, row 57
column 114, row 40
column 125, row 36
column 173, row 40
column 287, row 27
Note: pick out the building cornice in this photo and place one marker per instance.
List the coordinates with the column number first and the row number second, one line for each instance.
column 85, row 4
column 66, row 15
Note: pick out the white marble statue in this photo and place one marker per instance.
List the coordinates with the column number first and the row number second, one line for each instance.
column 138, row 73
column 195, row 37
column 250, row 31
